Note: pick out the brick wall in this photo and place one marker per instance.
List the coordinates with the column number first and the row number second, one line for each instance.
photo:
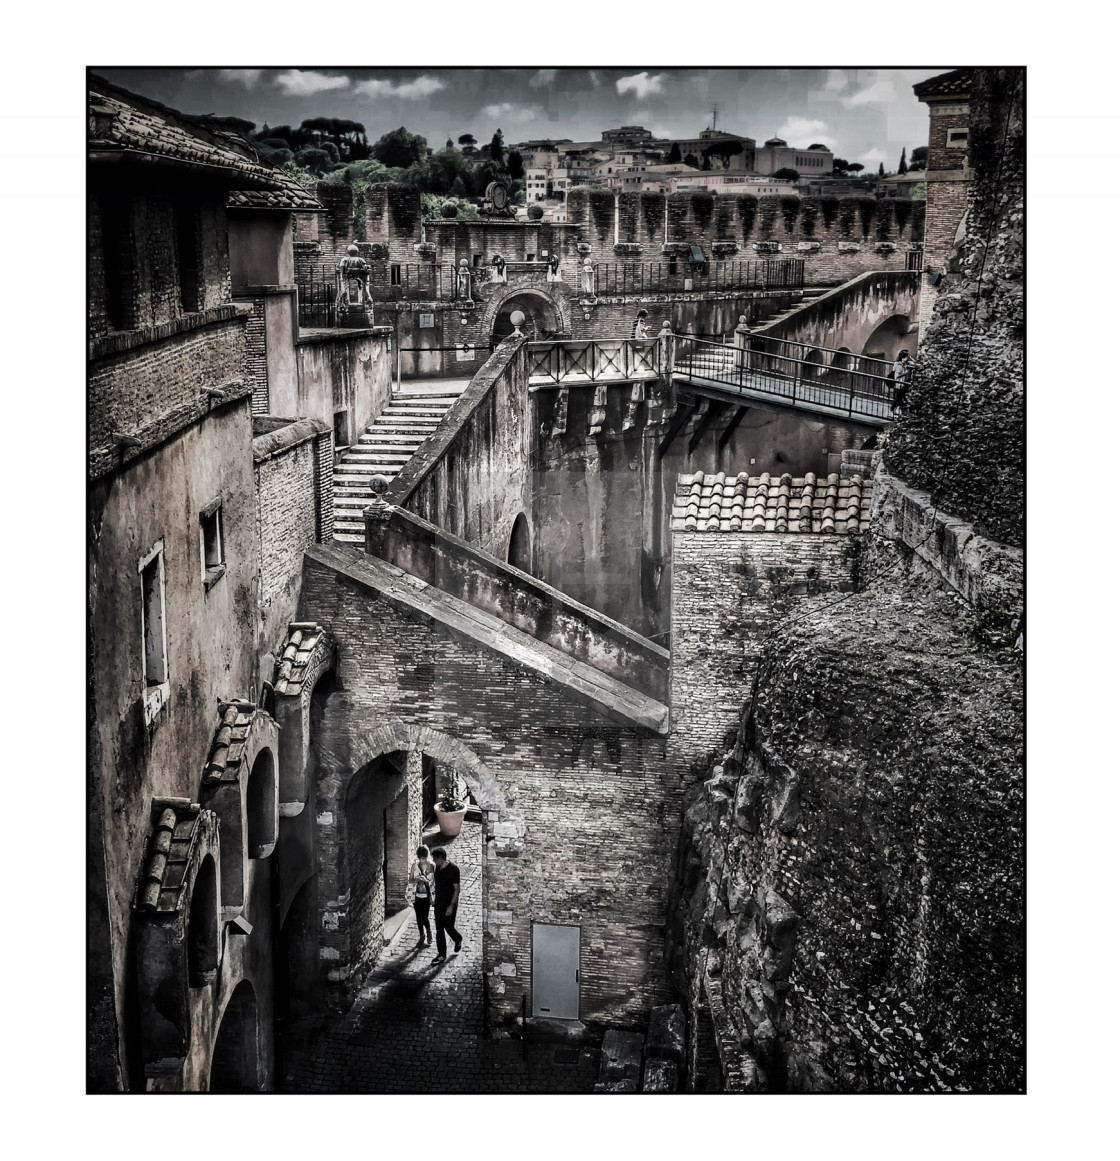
column 812, row 229
column 597, row 803
column 162, row 371
column 729, row 591
column 256, row 356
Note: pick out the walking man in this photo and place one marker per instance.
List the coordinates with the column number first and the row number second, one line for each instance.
column 446, row 904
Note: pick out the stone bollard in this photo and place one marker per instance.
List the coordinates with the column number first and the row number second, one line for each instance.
column 742, row 346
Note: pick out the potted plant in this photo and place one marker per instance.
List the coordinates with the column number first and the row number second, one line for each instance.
column 451, row 806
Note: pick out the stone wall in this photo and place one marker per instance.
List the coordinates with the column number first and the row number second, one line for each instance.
column 856, row 859
column 580, row 811
column 962, row 435
column 837, row 237
column 730, row 589
column 472, row 478
column 292, row 471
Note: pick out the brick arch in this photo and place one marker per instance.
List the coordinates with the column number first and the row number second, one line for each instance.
column 551, row 302
column 367, row 746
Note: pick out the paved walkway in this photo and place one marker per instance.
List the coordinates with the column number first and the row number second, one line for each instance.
column 414, row 1018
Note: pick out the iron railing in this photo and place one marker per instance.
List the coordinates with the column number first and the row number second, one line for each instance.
column 317, row 303
column 915, row 258
column 389, row 282
column 681, row 275
column 594, row 360
column 857, row 385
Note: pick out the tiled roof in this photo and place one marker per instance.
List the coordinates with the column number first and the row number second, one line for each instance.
column 299, row 646
column 165, row 865
column 292, row 197
column 957, row 83
column 229, row 741
column 768, row 503
column 122, row 122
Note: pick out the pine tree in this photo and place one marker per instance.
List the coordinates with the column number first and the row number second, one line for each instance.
column 902, row 167
column 882, row 172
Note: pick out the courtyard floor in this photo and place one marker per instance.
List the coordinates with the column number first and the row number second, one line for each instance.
column 414, row 1018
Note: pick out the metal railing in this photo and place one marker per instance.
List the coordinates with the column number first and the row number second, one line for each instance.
column 594, row 360
column 681, row 275
column 317, row 303
column 389, row 282
column 857, row 385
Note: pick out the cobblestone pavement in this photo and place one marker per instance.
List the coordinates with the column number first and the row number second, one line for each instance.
column 414, row 1018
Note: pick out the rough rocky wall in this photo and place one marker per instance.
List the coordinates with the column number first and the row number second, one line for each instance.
column 962, row 437
column 852, row 872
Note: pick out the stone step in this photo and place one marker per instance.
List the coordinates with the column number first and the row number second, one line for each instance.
column 369, row 444
column 348, row 538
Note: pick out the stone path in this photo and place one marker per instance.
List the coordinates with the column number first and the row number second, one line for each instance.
column 414, row 1018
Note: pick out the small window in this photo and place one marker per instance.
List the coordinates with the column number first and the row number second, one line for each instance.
column 395, row 275
column 152, row 613
column 957, row 139
column 210, row 538
column 476, row 259
column 530, row 257
column 341, row 429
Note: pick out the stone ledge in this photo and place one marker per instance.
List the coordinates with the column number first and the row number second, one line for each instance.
column 477, row 629
column 342, row 334
column 292, row 434
column 121, row 341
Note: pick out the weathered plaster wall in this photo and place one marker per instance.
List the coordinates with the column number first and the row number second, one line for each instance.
column 472, row 478
column 962, row 436
column 340, row 371
column 210, row 647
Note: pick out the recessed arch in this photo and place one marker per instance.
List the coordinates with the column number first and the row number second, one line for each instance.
column 202, row 926
column 261, row 806
column 888, row 338
column 235, row 1063
column 548, row 313
column 520, row 553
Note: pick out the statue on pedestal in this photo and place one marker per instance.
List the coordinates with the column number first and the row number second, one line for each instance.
column 497, row 269
column 587, row 277
column 353, row 269
column 463, row 280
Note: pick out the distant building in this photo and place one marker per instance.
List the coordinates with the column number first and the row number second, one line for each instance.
column 775, row 154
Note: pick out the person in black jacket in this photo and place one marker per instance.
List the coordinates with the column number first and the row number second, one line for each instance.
column 446, row 904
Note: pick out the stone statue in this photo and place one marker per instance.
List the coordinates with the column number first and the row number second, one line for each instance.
column 497, row 269
column 353, row 268
column 553, row 274
column 463, row 280
column 587, row 277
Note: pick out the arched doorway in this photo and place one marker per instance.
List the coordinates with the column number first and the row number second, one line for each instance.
column 520, row 553
column 235, row 1064
column 542, row 319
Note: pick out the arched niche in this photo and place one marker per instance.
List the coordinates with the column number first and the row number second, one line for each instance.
column 889, row 337
column 235, row 1062
column 177, row 925
column 244, row 734
column 520, row 553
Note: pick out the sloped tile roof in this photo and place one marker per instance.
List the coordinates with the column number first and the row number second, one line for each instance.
column 229, row 741
column 292, row 197
column 123, row 122
column 768, row 503
column 299, row 645
column 957, row 83
column 165, row 864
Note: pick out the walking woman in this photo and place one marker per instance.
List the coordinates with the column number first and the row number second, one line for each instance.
column 421, row 877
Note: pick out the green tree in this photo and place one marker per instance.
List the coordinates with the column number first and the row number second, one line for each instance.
column 399, row 149
column 497, row 147
column 882, row 171
column 690, row 159
column 839, row 165
column 786, row 174
column 674, row 155
column 902, row 166
column 515, row 166
column 855, row 167
column 315, row 161
column 919, row 157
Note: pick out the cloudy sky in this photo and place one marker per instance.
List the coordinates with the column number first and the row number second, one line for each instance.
column 863, row 114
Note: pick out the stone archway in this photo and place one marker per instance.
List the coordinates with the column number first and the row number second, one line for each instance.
column 888, row 338
column 544, row 315
column 348, row 806
column 235, row 1065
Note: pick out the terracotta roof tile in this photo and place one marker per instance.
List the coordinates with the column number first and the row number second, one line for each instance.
column 742, row 503
column 299, row 645
column 226, row 749
column 165, row 862
column 957, row 83
column 123, row 122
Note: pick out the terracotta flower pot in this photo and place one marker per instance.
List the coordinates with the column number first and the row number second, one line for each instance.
column 450, row 821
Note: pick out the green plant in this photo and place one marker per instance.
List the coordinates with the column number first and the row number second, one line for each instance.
column 453, row 794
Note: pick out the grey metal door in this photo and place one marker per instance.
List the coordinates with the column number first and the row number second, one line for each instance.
column 556, row 971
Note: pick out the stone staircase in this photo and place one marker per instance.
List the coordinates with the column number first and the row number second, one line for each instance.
column 383, row 450
column 810, row 294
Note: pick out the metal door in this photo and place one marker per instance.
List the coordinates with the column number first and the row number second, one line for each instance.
column 556, row 971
